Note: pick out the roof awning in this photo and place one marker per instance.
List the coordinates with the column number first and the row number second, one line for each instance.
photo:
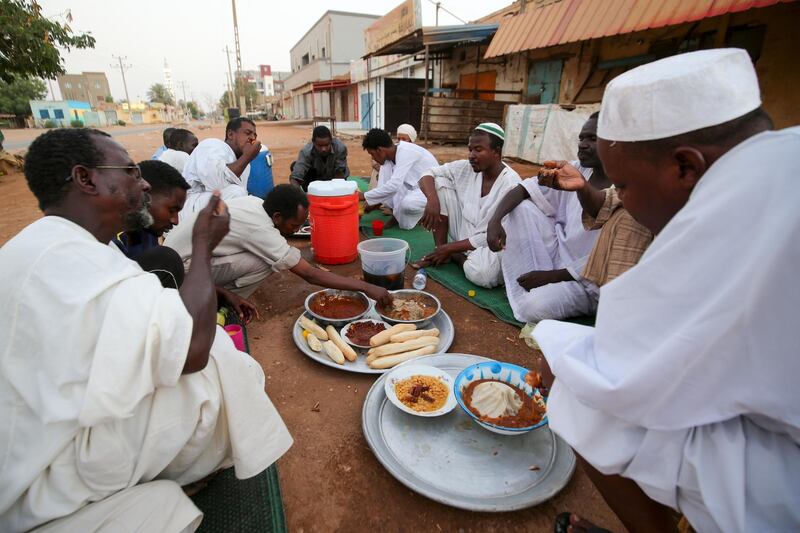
column 329, row 85
column 569, row 21
column 438, row 38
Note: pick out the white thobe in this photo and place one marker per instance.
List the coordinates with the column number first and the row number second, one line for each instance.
column 468, row 213
column 207, row 170
column 398, row 184
column 177, row 159
column 547, row 233
column 91, row 354
column 252, row 249
column 688, row 383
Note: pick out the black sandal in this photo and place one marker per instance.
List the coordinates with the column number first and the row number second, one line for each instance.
column 562, row 523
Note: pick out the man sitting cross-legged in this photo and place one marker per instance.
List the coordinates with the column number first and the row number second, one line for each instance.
column 114, row 390
column 256, row 245
column 140, row 240
column 461, row 197
column 545, row 244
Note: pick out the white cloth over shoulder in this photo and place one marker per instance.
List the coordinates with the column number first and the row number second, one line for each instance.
column 459, row 189
column 688, row 383
column 91, row 354
column 398, row 184
column 177, row 159
column 547, row 233
column 207, row 170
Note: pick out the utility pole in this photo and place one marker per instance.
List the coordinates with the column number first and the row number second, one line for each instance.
column 239, row 77
column 183, row 88
column 438, row 6
column 231, row 84
column 122, row 68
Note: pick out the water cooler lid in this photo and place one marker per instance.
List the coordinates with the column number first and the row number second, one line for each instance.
column 336, row 187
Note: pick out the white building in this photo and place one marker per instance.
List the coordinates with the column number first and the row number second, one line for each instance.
column 324, row 53
column 168, row 84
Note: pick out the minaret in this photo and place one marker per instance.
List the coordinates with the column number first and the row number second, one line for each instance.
column 168, row 80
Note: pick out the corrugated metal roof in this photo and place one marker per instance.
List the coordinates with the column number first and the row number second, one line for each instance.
column 568, row 21
column 438, row 37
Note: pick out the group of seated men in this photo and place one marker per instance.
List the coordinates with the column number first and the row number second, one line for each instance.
column 117, row 387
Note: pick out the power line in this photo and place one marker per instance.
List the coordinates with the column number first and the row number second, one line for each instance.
column 440, row 6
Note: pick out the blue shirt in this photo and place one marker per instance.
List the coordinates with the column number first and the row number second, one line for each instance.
column 158, row 152
column 134, row 243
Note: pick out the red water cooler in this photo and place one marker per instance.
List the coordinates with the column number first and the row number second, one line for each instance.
column 333, row 214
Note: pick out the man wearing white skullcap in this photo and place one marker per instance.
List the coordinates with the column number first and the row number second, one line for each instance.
column 461, row 197
column 407, row 133
column 686, row 390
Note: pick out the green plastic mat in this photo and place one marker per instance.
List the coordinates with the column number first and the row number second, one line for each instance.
column 231, row 505
column 450, row 275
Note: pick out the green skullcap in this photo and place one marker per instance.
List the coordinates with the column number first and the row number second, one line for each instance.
column 494, row 129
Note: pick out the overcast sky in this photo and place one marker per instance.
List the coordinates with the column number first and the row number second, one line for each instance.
column 191, row 36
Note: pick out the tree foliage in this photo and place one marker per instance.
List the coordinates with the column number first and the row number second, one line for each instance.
column 250, row 94
column 29, row 41
column 15, row 95
column 193, row 109
column 159, row 93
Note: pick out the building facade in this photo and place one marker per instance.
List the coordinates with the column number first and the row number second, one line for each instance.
column 91, row 87
column 323, row 54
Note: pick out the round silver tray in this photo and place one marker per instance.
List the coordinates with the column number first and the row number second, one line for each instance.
column 441, row 321
column 452, row 460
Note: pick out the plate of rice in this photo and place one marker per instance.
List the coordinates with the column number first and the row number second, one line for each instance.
column 421, row 390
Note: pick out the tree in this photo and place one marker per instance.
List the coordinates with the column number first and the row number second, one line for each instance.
column 16, row 95
column 159, row 93
column 193, row 109
column 250, row 94
column 28, row 41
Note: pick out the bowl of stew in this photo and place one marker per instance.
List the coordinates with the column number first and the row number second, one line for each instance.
column 337, row 307
column 533, row 413
column 409, row 306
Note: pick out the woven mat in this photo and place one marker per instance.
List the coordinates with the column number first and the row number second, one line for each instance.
column 450, row 275
column 231, row 505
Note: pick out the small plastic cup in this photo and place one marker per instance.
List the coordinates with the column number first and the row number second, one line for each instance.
column 377, row 227
column 237, row 336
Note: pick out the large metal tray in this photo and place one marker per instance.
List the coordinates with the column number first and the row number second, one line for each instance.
column 452, row 460
column 441, row 321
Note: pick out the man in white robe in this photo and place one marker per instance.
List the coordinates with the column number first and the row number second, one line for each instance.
column 223, row 166
column 114, row 390
column 545, row 246
column 686, row 390
column 402, row 165
column 183, row 144
column 460, row 199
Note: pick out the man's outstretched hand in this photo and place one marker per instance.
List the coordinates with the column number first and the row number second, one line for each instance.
column 560, row 175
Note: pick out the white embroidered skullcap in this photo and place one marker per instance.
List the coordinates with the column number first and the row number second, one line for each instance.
column 409, row 130
column 679, row 94
column 494, row 129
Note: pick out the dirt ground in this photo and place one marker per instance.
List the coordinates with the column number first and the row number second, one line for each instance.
column 330, row 479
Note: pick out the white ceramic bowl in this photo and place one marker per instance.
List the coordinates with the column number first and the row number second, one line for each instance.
column 346, row 328
column 505, row 372
column 406, row 371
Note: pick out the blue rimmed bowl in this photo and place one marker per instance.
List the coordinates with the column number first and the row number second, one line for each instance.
column 507, row 373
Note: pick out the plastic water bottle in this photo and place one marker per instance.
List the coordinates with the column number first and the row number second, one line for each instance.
column 420, row 279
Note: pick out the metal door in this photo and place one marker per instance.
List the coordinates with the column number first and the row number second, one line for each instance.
column 544, row 81
column 366, row 111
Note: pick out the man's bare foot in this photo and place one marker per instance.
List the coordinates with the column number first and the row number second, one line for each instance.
column 390, row 223
column 193, row 488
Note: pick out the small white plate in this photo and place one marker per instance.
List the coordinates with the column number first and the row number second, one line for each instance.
column 406, row 371
column 346, row 328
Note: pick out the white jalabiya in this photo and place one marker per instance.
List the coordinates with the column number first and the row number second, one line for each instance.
column 177, row 159
column 547, row 233
column 459, row 190
column 207, row 170
column 398, row 184
column 92, row 395
column 688, row 383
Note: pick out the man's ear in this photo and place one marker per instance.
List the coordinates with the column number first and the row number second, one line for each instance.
column 691, row 166
column 83, row 180
column 277, row 218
